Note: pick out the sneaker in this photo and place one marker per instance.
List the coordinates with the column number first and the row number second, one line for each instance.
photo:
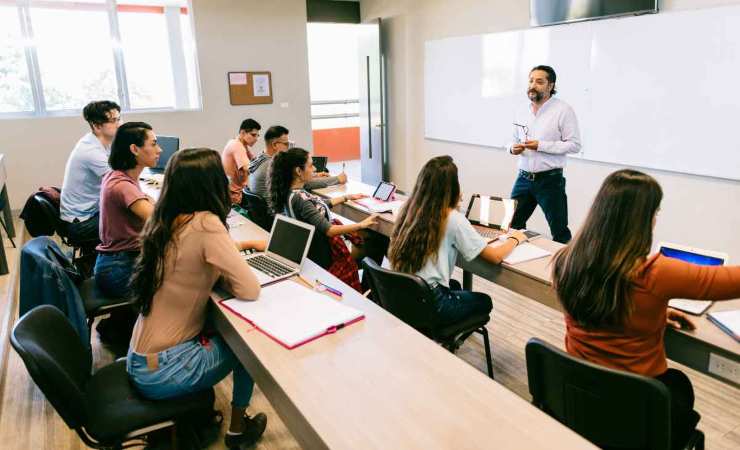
column 253, row 429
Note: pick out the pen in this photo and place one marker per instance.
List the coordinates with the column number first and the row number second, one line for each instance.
column 342, row 167
column 336, row 292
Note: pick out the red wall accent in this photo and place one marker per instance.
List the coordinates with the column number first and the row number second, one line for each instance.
column 339, row 144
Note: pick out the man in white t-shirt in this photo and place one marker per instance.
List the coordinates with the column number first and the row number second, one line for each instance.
column 86, row 166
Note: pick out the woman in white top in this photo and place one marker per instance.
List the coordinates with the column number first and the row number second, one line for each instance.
column 430, row 232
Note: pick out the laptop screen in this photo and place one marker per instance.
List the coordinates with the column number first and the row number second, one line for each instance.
column 169, row 145
column 319, row 163
column 491, row 211
column 289, row 240
column 692, row 257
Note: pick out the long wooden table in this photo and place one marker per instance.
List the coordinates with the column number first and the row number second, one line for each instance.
column 380, row 384
column 533, row 280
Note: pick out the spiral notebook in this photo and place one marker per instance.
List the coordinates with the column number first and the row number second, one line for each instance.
column 292, row 314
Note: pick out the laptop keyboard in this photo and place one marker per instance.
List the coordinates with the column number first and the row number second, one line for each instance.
column 269, row 266
column 489, row 233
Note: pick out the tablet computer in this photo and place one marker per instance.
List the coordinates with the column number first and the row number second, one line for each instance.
column 384, row 191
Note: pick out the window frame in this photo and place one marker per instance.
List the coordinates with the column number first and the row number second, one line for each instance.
column 178, row 64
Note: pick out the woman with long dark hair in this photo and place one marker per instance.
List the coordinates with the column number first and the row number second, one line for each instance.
column 185, row 249
column 616, row 296
column 429, row 234
column 290, row 170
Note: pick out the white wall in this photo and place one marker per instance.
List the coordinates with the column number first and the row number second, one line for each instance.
column 696, row 210
column 231, row 35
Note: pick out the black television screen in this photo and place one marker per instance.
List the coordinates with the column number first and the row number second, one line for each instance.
column 549, row 12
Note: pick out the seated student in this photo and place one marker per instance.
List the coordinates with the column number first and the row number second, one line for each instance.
column 124, row 207
column 236, row 156
column 276, row 140
column 616, row 296
column 86, row 166
column 185, row 249
column 429, row 233
column 290, row 170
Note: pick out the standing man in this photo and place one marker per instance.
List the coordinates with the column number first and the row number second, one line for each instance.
column 544, row 133
column 86, row 166
column 276, row 140
column 237, row 155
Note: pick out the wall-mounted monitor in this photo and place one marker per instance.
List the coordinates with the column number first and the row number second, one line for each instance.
column 550, row 12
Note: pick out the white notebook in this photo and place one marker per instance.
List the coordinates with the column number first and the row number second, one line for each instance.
column 293, row 314
column 727, row 321
column 696, row 307
column 525, row 252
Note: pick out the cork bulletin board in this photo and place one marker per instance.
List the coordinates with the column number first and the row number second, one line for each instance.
column 250, row 88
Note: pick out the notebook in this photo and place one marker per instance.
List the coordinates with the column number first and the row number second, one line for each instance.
column 286, row 250
column 526, row 252
column 169, row 145
column 694, row 256
column 292, row 314
column 727, row 321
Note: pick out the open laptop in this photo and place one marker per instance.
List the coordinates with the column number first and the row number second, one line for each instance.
column 490, row 216
column 286, row 250
column 694, row 256
column 169, row 145
column 320, row 162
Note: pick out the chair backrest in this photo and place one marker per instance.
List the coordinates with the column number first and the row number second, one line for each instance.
column 51, row 214
column 407, row 297
column 611, row 408
column 56, row 360
column 258, row 210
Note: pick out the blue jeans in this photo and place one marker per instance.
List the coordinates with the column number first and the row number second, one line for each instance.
column 84, row 234
column 113, row 273
column 454, row 304
column 548, row 191
column 190, row 366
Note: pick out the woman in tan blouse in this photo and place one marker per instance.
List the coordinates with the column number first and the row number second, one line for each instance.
column 185, row 249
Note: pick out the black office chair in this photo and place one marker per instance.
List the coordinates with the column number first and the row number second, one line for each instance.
column 611, row 408
column 409, row 298
column 97, row 304
column 257, row 210
column 4, row 225
column 104, row 408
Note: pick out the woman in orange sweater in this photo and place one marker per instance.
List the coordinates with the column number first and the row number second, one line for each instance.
column 616, row 296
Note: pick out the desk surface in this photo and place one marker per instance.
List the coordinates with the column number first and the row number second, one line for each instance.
column 533, row 279
column 381, row 384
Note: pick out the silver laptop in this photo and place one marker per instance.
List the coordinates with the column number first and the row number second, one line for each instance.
column 490, row 216
column 695, row 256
column 286, row 250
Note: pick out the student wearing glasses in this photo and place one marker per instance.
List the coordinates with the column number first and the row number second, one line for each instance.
column 83, row 174
column 236, row 157
column 276, row 140
column 615, row 294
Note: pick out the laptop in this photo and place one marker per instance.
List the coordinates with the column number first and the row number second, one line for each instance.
column 490, row 216
column 381, row 199
column 320, row 162
column 169, row 145
column 694, row 256
column 286, row 250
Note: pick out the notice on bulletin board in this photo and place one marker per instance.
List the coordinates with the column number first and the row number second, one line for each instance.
column 250, row 88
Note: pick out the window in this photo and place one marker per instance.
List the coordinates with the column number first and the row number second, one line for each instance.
column 15, row 86
column 58, row 55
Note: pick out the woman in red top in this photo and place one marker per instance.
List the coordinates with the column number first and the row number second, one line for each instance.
column 616, row 296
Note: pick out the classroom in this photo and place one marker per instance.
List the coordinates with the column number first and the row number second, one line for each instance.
column 284, row 224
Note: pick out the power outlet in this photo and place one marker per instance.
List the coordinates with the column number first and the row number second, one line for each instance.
column 725, row 368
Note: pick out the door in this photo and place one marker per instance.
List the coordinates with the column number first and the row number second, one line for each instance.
column 373, row 128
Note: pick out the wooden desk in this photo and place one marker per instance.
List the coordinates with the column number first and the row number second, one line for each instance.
column 380, row 384
column 533, row 280
column 7, row 214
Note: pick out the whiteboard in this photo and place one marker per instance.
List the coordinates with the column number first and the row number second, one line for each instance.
column 653, row 91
